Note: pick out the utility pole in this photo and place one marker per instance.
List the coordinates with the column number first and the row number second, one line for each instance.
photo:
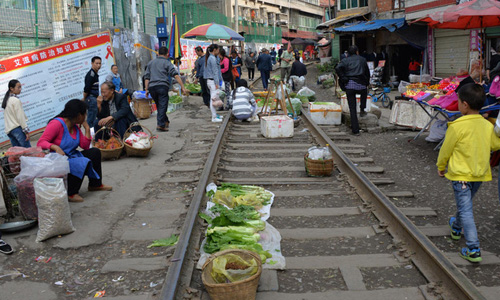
column 57, row 20
column 36, row 23
column 236, row 17
column 135, row 20
column 330, row 9
column 86, row 18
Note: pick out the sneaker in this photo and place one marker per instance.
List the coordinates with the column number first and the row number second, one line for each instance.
column 100, row 188
column 455, row 234
column 5, row 248
column 472, row 255
column 217, row 119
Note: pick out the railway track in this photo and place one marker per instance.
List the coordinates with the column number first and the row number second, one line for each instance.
column 341, row 236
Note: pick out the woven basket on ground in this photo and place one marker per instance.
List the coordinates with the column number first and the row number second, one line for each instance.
column 318, row 168
column 241, row 290
column 142, row 108
column 109, row 153
column 131, row 151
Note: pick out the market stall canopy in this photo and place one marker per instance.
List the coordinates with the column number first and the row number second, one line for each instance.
column 213, row 31
column 468, row 15
column 298, row 41
column 283, row 41
column 389, row 24
column 327, row 24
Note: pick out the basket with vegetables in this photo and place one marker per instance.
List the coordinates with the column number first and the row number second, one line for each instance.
column 108, row 141
column 232, row 274
column 236, row 216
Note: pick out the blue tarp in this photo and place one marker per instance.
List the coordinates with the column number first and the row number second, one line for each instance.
column 389, row 24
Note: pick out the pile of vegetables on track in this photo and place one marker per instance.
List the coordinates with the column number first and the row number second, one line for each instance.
column 233, row 195
column 235, row 228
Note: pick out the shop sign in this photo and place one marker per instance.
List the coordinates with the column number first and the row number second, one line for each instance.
column 430, row 49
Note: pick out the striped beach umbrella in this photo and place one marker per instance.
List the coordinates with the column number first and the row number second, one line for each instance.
column 213, row 31
column 174, row 43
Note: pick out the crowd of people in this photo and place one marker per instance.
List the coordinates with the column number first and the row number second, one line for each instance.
column 106, row 105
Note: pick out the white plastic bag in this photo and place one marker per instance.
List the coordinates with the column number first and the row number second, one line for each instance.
column 54, row 217
column 307, row 92
column 52, row 165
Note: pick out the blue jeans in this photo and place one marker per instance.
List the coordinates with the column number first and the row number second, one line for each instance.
column 465, row 217
column 264, row 75
column 91, row 110
column 18, row 138
column 159, row 94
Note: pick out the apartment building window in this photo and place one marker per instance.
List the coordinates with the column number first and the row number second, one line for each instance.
column 399, row 4
column 348, row 4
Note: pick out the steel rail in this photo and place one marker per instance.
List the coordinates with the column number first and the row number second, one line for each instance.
column 429, row 259
column 178, row 259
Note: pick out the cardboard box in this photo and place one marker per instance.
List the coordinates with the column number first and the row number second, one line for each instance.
column 276, row 126
column 325, row 113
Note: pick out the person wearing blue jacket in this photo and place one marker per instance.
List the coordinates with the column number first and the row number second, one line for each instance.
column 265, row 65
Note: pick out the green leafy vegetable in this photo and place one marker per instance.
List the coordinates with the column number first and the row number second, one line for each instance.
column 193, row 88
column 172, row 240
column 175, row 99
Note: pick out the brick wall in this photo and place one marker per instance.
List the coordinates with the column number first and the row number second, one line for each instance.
column 384, row 5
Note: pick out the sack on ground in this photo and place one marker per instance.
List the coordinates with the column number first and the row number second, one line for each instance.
column 438, row 131
column 52, row 165
column 53, row 208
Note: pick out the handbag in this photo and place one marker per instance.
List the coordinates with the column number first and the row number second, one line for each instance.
column 235, row 73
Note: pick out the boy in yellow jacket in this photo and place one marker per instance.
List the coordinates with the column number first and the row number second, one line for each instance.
column 466, row 150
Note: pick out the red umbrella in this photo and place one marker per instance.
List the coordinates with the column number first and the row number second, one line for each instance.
column 468, row 15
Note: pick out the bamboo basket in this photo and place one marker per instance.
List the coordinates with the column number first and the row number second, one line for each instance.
column 318, row 168
column 142, row 108
column 241, row 290
column 131, row 151
column 107, row 154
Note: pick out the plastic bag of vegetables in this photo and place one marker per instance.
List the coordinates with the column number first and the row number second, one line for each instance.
column 231, row 268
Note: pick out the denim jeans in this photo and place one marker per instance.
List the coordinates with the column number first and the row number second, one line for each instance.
column 464, row 192
column 91, row 110
column 264, row 75
column 159, row 94
column 18, row 138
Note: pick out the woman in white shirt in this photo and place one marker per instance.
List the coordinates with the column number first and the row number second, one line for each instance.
column 14, row 117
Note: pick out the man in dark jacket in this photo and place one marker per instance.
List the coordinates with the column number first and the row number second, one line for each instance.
column 354, row 77
column 113, row 109
column 265, row 65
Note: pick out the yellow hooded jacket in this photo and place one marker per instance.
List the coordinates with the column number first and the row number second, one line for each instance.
column 466, row 149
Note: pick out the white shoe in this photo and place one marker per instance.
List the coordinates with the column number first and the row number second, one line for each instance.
column 216, row 120
column 249, row 119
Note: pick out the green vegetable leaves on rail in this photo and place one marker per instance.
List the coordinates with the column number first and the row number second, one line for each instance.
column 172, row 240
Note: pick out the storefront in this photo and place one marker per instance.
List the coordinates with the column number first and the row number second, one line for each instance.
column 451, row 52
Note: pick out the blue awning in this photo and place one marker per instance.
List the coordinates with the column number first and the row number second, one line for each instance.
column 389, row 24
